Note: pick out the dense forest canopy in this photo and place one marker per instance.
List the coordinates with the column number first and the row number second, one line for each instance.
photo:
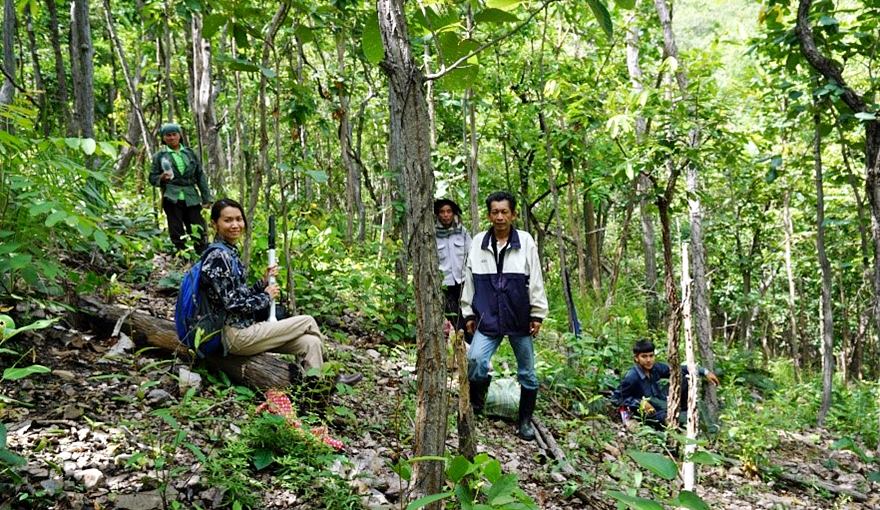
column 627, row 129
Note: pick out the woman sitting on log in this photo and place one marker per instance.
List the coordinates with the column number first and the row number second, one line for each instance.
column 246, row 330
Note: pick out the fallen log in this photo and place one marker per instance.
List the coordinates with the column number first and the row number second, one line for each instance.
column 262, row 371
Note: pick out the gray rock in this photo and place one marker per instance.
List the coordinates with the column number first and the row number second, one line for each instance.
column 157, row 397
column 147, row 500
column 376, row 501
column 72, row 412
column 67, row 375
column 69, row 467
column 373, row 353
column 52, row 486
column 90, row 478
column 187, row 379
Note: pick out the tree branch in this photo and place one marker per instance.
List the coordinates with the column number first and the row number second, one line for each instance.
column 487, row 44
column 825, row 66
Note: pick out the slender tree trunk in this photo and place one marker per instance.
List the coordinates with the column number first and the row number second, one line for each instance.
column 688, row 469
column 39, row 85
column 354, row 202
column 574, row 227
column 263, row 165
column 643, row 182
column 7, row 90
column 167, row 50
column 429, row 96
column 134, row 96
column 833, row 72
column 60, row 74
column 594, row 268
column 827, row 319
column 410, row 152
column 204, row 94
column 788, row 229
column 82, row 69
column 674, row 318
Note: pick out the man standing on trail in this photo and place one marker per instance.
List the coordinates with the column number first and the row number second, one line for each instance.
column 453, row 243
column 504, row 296
column 177, row 172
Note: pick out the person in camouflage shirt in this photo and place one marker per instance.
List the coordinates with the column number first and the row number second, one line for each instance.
column 246, row 331
column 177, row 172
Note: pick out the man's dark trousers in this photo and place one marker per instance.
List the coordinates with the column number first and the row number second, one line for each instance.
column 181, row 220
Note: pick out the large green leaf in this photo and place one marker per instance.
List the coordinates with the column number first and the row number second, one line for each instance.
column 691, row 501
column 212, row 24
column 504, row 5
column 14, row 374
column 495, row 16
column 458, row 468
column 371, row 40
column 427, row 500
column 634, row 501
column 709, row 459
column 658, row 464
column 602, row 16
column 625, row 4
column 9, row 458
column 262, row 458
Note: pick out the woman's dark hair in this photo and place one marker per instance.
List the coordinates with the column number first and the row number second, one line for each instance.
column 500, row 196
column 643, row 346
column 223, row 203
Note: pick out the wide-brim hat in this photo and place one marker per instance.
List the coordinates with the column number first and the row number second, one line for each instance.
column 440, row 202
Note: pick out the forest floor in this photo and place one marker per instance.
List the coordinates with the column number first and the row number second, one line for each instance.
column 92, row 440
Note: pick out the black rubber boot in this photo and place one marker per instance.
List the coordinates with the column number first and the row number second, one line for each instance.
column 478, row 391
column 527, row 399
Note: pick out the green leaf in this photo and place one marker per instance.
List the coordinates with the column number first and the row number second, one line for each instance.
column 427, row 500
column 88, row 146
column 874, row 476
column 262, row 458
column 658, row 464
column 8, row 327
column 73, row 143
column 828, row 21
column 707, row 458
column 866, row 116
column 504, row 5
column 9, row 458
column 690, row 500
column 495, row 16
column 237, row 63
column 318, row 176
column 458, row 468
column 55, row 217
column 212, row 24
column 108, row 149
column 305, row 34
column 501, row 489
column 20, row 261
column 602, row 16
column 625, row 4
column 268, row 73
column 634, row 501
column 14, row 374
column 2, row 435
column 371, row 40
column 42, row 207
column 240, row 34
column 101, row 239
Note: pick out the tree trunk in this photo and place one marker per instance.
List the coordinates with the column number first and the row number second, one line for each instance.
column 263, row 164
column 38, row 72
column 354, row 203
column 60, row 74
column 262, row 371
column 410, row 152
column 7, row 90
column 833, row 72
column 594, row 269
column 688, row 469
column 674, row 318
column 167, row 51
column 574, row 227
column 210, row 148
column 788, row 229
column 82, row 69
column 827, row 319
column 131, row 82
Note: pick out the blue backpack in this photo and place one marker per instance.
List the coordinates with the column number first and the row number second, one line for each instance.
column 194, row 317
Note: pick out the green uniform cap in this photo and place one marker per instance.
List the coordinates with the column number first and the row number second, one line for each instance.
column 169, row 128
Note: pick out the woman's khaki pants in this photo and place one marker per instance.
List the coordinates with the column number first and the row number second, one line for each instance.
column 295, row 335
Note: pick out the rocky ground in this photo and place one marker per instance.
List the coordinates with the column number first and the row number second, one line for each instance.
column 91, row 437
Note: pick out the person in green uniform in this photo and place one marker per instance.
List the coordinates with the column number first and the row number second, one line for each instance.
column 177, row 172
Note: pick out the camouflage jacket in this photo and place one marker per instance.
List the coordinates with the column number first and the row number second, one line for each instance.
column 227, row 288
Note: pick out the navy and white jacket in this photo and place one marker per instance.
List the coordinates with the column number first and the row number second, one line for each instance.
column 504, row 291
